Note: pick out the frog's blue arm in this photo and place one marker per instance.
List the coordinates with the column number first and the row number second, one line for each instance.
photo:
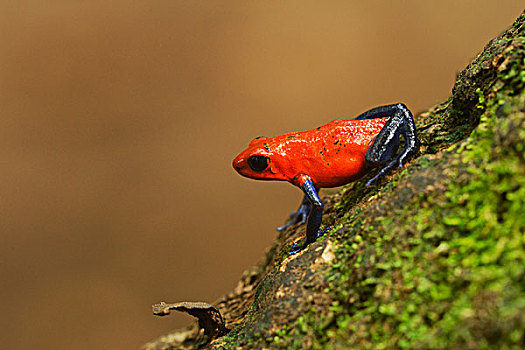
column 315, row 217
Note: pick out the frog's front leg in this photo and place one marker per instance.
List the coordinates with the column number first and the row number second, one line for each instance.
column 316, row 214
column 298, row 216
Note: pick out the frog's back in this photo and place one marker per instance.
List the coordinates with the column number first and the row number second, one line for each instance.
column 332, row 154
column 353, row 132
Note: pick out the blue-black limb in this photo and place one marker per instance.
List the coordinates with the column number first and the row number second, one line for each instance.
column 298, row 216
column 314, row 219
column 379, row 112
column 386, row 143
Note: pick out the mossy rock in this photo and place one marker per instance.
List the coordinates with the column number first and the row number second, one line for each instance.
column 432, row 256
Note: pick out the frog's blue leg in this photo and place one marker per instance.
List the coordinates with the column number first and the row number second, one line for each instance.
column 314, row 219
column 380, row 112
column 386, row 143
column 298, row 216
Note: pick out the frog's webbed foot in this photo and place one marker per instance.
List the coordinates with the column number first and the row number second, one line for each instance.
column 385, row 145
column 298, row 216
column 297, row 247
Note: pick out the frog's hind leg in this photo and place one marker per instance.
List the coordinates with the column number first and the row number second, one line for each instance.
column 380, row 112
column 386, row 143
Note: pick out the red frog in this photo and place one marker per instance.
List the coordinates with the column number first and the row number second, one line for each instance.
column 331, row 155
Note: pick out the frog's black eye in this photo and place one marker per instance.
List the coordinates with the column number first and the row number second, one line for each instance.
column 258, row 163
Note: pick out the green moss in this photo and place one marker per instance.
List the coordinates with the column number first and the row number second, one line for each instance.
column 445, row 269
column 432, row 256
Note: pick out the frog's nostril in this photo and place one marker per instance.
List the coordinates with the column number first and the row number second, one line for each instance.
column 237, row 163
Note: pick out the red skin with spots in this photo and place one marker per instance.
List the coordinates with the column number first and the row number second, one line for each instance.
column 331, row 155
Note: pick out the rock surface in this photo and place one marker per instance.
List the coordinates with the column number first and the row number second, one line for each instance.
column 432, row 256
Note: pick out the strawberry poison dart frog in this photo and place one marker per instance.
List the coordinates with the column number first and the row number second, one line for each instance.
column 331, row 155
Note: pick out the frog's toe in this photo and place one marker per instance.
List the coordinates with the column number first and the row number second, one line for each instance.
column 296, row 248
column 285, row 226
column 299, row 216
column 321, row 232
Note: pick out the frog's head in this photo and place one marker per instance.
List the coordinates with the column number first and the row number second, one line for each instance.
column 257, row 162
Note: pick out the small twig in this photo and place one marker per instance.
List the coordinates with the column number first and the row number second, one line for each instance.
column 210, row 319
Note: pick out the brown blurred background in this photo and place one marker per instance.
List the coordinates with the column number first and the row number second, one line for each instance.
column 119, row 121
